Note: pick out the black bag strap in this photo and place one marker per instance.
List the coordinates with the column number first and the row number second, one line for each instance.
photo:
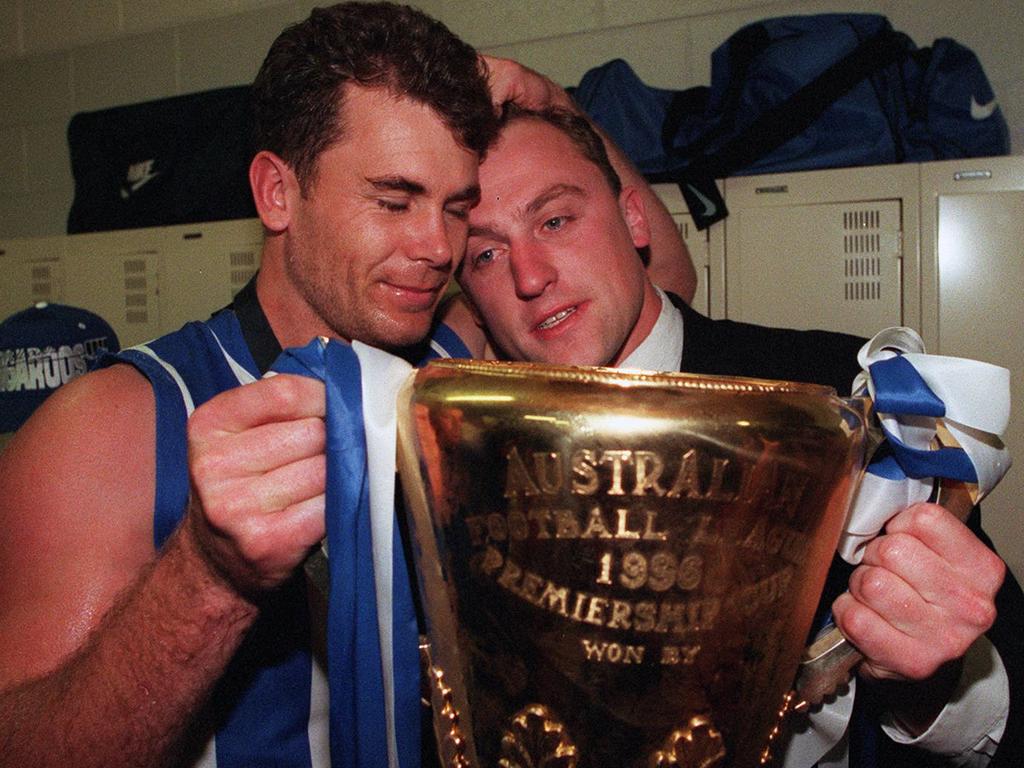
column 796, row 114
column 743, row 47
column 786, row 120
column 683, row 104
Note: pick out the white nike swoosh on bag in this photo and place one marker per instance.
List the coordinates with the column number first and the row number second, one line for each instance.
column 982, row 111
column 133, row 187
column 709, row 205
column 148, row 177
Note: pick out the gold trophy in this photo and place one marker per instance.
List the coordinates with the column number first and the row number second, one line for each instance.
column 619, row 569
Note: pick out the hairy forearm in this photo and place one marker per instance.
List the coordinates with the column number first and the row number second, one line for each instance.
column 128, row 696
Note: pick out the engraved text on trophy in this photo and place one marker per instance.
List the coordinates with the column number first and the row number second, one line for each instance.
column 645, row 525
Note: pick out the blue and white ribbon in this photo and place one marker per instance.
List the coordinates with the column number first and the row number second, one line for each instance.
column 373, row 649
column 943, row 418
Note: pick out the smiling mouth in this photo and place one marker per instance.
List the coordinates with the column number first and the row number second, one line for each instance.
column 418, row 290
column 555, row 319
column 413, row 298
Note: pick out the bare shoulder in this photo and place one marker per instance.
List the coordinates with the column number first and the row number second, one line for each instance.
column 76, row 499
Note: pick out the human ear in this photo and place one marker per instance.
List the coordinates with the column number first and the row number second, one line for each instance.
column 631, row 205
column 273, row 184
column 460, row 314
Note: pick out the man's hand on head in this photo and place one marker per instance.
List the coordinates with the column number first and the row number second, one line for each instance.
column 511, row 81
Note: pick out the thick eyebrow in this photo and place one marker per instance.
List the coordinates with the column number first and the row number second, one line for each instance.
column 549, row 194
column 397, row 184
column 488, row 232
column 402, row 184
column 470, row 194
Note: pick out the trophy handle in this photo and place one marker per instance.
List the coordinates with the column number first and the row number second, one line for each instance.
column 829, row 662
column 826, row 666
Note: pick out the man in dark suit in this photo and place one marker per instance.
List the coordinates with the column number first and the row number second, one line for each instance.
column 553, row 270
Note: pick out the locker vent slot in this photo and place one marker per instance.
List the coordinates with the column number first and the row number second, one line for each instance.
column 243, row 267
column 862, row 247
column 42, row 282
column 136, row 294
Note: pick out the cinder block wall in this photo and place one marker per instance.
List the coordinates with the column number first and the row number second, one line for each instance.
column 58, row 57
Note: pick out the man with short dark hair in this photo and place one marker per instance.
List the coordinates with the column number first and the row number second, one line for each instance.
column 552, row 269
column 149, row 610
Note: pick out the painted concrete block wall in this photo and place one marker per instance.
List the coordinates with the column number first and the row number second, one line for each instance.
column 59, row 57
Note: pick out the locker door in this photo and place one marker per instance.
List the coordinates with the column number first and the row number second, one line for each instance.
column 831, row 265
column 202, row 267
column 833, row 249
column 115, row 274
column 973, row 259
column 33, row 271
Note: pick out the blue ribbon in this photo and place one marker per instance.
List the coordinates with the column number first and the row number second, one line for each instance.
column 358, row 732
column 899, row 390
column 919, row 463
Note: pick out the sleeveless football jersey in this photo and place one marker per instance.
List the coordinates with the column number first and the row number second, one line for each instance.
column 270, row 708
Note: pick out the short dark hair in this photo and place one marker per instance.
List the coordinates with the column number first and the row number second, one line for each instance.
column 299, row 91
column 576, row 127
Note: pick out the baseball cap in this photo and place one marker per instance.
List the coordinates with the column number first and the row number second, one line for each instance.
column 42, row 348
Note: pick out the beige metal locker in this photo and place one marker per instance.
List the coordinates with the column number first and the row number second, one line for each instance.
column 32, row 270
column 202, row 267
column 972, row 249
column 115, row 275
column 823, row 249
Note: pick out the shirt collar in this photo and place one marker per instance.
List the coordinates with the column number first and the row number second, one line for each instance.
column 662, row 350
column 256, row 330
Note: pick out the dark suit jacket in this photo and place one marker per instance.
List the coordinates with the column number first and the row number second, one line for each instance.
column 725, row 347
